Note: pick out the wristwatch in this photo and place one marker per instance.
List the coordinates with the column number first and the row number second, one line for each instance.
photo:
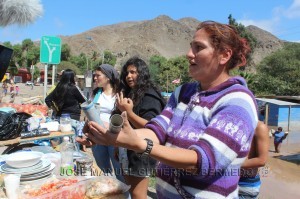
column 147, row 150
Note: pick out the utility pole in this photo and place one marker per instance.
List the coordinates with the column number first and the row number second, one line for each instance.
column 167, row 82
column 102, row 56
column 99, row 49
column 32, row 72
column 87, row 64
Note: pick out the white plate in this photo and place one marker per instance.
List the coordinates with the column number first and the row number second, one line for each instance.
column 35, row 178
column 23, row 159
column 41, row 180
column 40, row 174
column 45, row 165
column 8, row 168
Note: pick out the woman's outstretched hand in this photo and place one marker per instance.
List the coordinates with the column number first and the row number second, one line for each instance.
column 96, row 134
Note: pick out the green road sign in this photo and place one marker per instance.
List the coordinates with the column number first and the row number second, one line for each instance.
column 50, row 50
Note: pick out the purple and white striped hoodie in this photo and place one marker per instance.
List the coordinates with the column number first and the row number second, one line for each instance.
column 219, row 125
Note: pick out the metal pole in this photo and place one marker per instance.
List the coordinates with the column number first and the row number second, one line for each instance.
column 167, row 82
column 91, row 38
column 289, row 117
column 87, row 64
column 45, row 80
column 32, row 72
column 267, row 114
column 102, row 56
column 53, row 74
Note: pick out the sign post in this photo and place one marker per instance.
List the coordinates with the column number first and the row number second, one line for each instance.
column 32, row 73
column 50, row 51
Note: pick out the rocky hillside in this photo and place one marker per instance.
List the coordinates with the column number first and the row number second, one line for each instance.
column 160, row 36
column 266, row 44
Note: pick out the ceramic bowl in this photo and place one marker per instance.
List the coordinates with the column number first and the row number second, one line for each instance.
column 23, row 159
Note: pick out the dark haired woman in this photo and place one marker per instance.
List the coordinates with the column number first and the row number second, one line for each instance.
column 142, row 100
column 66, row 97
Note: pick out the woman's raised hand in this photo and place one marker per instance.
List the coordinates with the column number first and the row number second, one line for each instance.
column 123, row 103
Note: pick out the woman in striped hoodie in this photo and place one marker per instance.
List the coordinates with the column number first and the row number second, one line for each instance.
column 204, row 133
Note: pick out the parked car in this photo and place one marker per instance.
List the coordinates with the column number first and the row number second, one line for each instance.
column 29, row 83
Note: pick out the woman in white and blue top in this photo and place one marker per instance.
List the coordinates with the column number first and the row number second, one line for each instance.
column 104, row 97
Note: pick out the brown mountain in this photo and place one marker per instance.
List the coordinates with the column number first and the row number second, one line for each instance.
column 160, row 36
column 266, row 44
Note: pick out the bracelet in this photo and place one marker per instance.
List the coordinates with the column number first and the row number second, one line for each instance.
column 147, row 150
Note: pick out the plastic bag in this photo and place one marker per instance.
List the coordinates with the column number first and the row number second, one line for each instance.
column 11, row 124
column 70, row 188
column 33, row 123
column 104, row 187
column 75, row 188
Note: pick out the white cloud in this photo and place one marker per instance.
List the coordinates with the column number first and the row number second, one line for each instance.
column 268, row 25
column 274, row 24
column 293, row 11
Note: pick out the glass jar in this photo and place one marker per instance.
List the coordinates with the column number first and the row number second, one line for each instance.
column 65, row 123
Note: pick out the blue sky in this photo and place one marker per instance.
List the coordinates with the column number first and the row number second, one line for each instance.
column 70, row 17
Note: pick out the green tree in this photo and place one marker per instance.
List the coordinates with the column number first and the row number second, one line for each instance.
column 15, row 60
column 174, row 68
column 33, row 55
column 36, row 73
column 249, row 77
column 109, row 58
column 65, row 52
column 68, row 65
column 7, row 44
column 27, row 45
column 155, row 64
column 241, row 29
column 17, row 56
column 80, row 62
column 94, row 56
column 278, row 74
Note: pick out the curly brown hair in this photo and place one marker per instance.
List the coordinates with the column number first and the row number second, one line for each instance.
column 225, row 36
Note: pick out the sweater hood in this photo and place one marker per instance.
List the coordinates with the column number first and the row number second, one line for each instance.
column 239, row 80
column 230, row 82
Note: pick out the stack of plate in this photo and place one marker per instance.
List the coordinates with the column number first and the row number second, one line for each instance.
column 42, row 170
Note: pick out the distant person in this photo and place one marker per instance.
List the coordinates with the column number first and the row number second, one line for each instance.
column 12, row 93
column 11, row 81
column 5, row 88
column 12, row 88
column 279, row 136
column 17, row 90
column 249, row 183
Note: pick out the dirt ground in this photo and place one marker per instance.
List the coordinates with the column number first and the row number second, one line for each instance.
column 280, row 176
